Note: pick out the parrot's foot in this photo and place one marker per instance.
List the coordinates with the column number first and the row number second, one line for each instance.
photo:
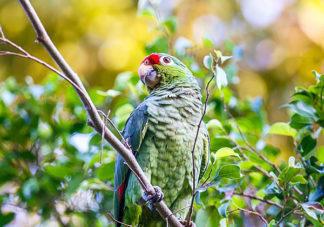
column 152, row 199
column 185, row 223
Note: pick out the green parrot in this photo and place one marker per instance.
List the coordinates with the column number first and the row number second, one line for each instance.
column 161, row 132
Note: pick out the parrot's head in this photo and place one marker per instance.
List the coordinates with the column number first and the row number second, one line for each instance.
column 157, row 69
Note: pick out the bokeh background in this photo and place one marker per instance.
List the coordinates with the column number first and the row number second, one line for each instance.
column 276, row 44
column 282, row 40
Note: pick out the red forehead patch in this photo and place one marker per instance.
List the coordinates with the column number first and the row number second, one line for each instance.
column 153, row 58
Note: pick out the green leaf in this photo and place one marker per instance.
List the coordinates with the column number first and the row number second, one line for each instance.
column 299, row 179
column 207, row 42
column 320, row 154
column 221, row 78
column 308, row 144
column 214, row 124
column 44, row 130
column 171, row 24
column 198, row 200
column 272, row 223
column 281, row 128
column 6, row 218
column 208, row 61
column 218, row 142
column 74, row 183
column 287, row 174
column 95, row 184
column 316, row 74
column 207, row 217
column 122, row 80
column 123, row 112
column 222, row 209
column 146, row 12
column 246, row 165
column 302, row 109
column 160, row 45
column 228, row 171
column 109, row 93
column 58, row 171
column 297, row 121
column 105, row 171
column 309, row 212
column 225, row 152
column 30, row 187
column 291, row 161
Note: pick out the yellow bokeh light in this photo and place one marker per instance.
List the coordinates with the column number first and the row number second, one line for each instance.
column 13, row 19
column 311, row 20
column 251, row 85
column 113, row 54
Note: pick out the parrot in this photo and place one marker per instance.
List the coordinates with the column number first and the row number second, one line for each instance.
column 161, row 132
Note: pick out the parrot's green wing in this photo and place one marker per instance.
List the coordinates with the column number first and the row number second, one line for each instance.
column 134, row 132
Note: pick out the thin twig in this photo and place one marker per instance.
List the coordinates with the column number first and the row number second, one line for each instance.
column 259, row 198
column 287, row 214
column 250, row 212
column 26, row 55
column 193, row 151
column 114, row 126
column 166, row 219
column 115, row 220
column 139, row 179
column 209, row 174
column 103, row 135
column 251, row 148
column 238, row 147
column 1, row 32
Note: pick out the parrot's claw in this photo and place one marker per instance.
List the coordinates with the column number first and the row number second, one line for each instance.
column 152, row 199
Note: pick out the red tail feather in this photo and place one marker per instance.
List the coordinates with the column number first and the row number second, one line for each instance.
column 121, row 190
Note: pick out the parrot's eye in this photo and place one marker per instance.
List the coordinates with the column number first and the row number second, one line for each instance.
column 166, row 60
column 146, row 62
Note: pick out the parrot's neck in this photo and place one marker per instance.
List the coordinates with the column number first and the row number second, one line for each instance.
column 179, row 86
column 186, row 91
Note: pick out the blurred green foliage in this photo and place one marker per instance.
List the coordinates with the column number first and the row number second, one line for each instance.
column 50, row 170
column 282, row 39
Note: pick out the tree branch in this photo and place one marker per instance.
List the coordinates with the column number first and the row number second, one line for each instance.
column 251, row 212
column 92, row 112
column 260, row 199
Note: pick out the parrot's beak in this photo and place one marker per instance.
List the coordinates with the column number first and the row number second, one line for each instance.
column 148, row 75
column 144, row 71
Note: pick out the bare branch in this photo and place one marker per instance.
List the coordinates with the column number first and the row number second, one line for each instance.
column 209, row 175
column 114, row 126
column 287, row 214
column 260, row 199
column 193, row 151
column 1, row 33
column 115, row 220
column 251, row 212
column 166, row 219
column 94, row 117
column 102, row 134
